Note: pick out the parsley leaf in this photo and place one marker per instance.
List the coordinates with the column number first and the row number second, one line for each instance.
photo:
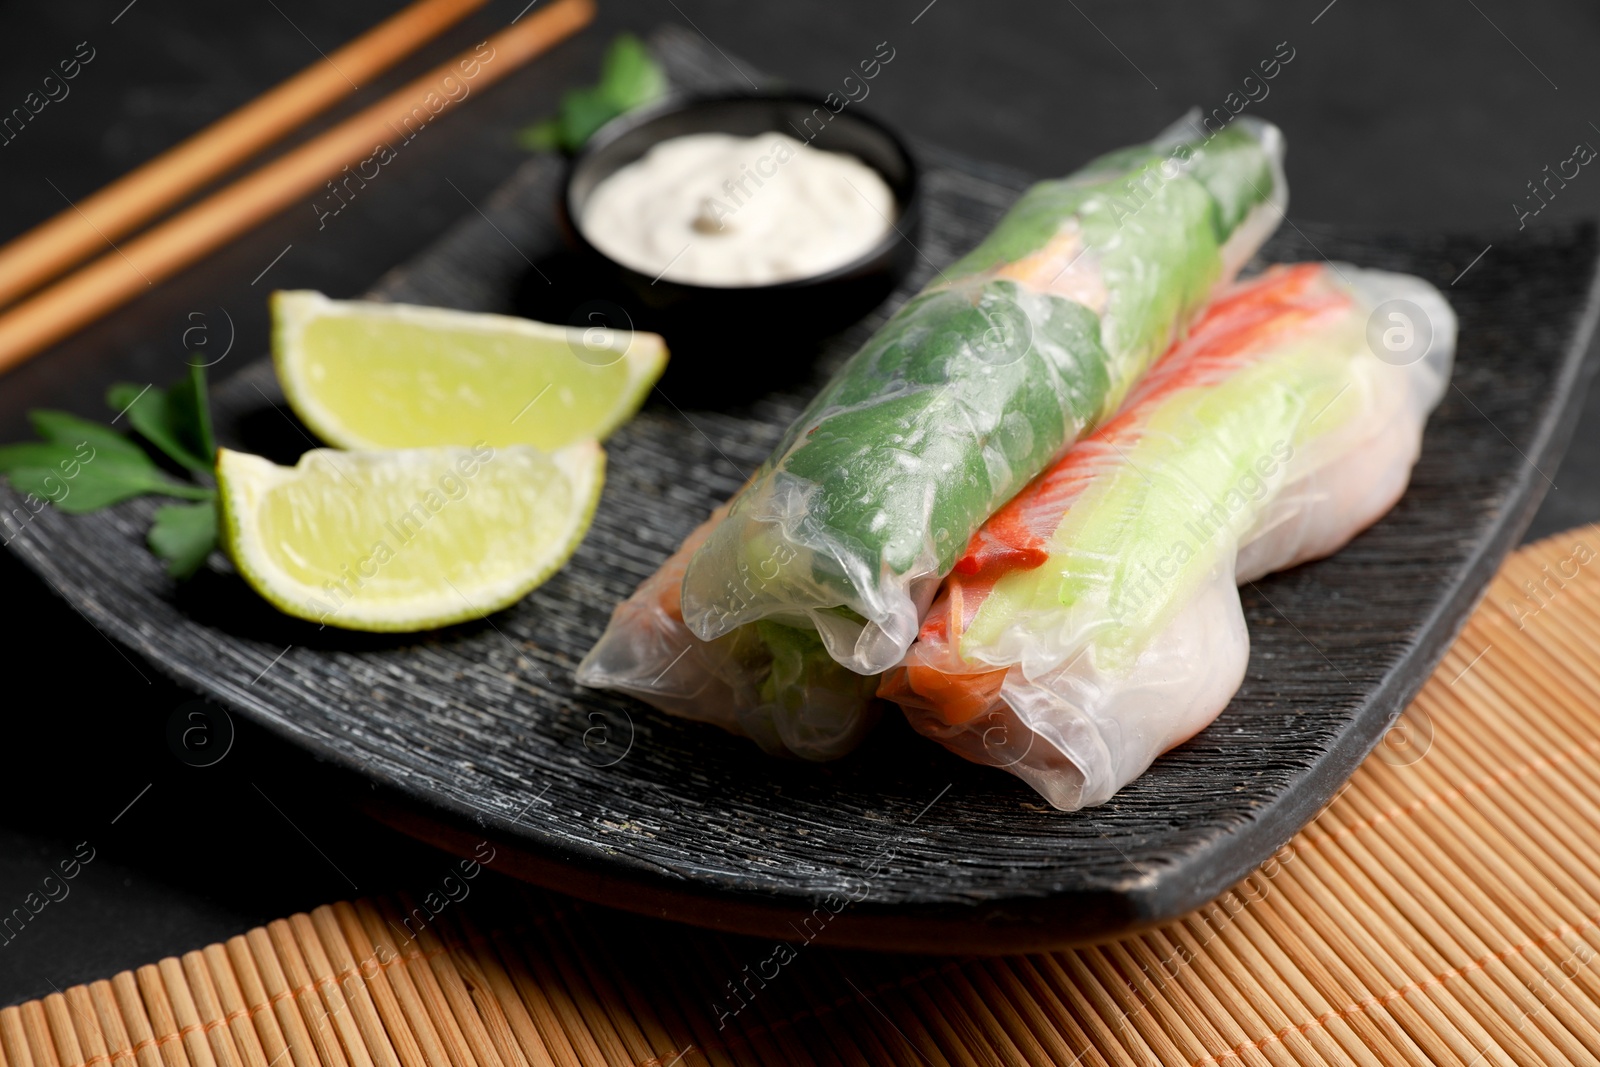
column 175, row 420
column 81, row 478
column 629, row 78
column 186, row 399
column 65, row 429
column 82, row 466
column 184, row 535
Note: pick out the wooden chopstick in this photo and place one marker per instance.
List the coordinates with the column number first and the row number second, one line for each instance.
column 144, row 193
column 169, row 247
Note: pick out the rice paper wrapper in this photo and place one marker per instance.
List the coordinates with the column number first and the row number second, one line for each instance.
column 767, row 682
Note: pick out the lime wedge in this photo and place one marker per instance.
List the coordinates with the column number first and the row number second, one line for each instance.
column 365, row 375
column 406, row 540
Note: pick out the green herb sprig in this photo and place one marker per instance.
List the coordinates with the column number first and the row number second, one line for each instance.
column 629, row 78
column 82, row 466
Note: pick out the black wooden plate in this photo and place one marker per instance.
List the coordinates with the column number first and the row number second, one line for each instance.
column 479, row 730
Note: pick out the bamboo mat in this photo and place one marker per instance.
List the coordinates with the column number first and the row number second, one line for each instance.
column 1442, row 910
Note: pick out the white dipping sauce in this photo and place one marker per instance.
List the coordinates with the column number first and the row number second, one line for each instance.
column 714, row 209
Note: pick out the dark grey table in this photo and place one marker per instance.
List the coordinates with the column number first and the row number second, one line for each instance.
column 1433, row 115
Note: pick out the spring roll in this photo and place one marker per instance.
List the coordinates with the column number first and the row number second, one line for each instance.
column 992, row 370
column 771, row 683
column 976, row 385
column 1094, row 621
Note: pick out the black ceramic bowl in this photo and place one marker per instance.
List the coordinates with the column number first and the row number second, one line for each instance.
column 718, row 333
